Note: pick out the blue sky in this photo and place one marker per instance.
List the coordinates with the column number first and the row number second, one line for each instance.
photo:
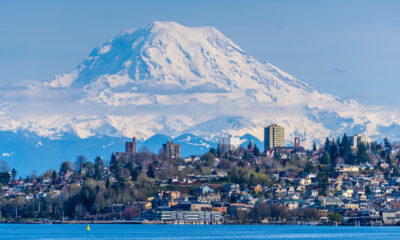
column 347, row 48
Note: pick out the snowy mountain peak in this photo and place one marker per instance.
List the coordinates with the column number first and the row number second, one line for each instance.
column 171, row 79
column 162, row 51
column 169, row 61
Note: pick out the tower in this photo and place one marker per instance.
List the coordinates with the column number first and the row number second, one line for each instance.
column 274, row 136
column 172, row 150
column 296, row 142
column 130, row 147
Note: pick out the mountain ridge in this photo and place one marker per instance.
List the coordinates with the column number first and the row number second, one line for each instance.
column 170, row 79
column 26, row 151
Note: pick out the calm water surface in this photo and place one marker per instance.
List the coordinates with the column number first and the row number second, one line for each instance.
column 100, row 231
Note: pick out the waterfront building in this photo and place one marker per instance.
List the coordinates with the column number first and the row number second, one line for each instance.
column 184, row 217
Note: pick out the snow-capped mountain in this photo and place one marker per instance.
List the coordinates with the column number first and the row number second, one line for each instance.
column 171, row 79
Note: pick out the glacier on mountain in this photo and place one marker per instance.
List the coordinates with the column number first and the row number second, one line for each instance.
column 171, row 79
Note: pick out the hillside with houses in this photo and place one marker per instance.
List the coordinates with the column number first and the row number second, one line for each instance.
column 346, row 180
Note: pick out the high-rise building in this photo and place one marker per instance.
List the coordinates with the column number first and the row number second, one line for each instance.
column 274, row 136
column 172, row 150
column 357, row 139
column 228, row 143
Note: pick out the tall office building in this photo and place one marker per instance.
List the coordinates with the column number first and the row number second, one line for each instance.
column 274, row 136
column 172, row 150
column 357, row 139
column 228, row 143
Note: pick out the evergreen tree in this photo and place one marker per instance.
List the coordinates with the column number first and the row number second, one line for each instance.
column 54, row 175
column 115, row 168
column 314, row 148
column 246, row 155
column 135, row 174
column 113, row 163
column 108, row 183
column 327, row 144
column 309, row 167
column 383, row 154
column 99, row 162
column 323, row 181
column 150, row 172
column 213, row 151
column 368, row 190
column 97, row 172
column 334, row 153
column 395, row 171
column 98, row 166
column 345, row 150
column 13, row 173
column 387, row 143
column 256, row 151
column 249, row 145
column 277, row 156
column 362, row 155
column 338, row 141
column 389, row 160
column 134, row 171
column 325, row 159
column 344, row 147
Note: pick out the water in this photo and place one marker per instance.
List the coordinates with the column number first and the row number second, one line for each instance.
column 190, row 232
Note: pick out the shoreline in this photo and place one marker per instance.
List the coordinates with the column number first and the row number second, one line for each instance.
column 39, row 222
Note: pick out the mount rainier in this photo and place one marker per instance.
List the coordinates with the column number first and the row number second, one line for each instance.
column 175, row 80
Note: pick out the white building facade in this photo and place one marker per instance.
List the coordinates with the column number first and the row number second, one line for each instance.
column 357, row 139
column 229, row 143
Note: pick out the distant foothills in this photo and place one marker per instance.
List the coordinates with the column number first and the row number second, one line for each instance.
column 29, row 152
column 348, row 180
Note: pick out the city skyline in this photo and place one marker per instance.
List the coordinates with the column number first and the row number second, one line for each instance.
column 118, row 118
